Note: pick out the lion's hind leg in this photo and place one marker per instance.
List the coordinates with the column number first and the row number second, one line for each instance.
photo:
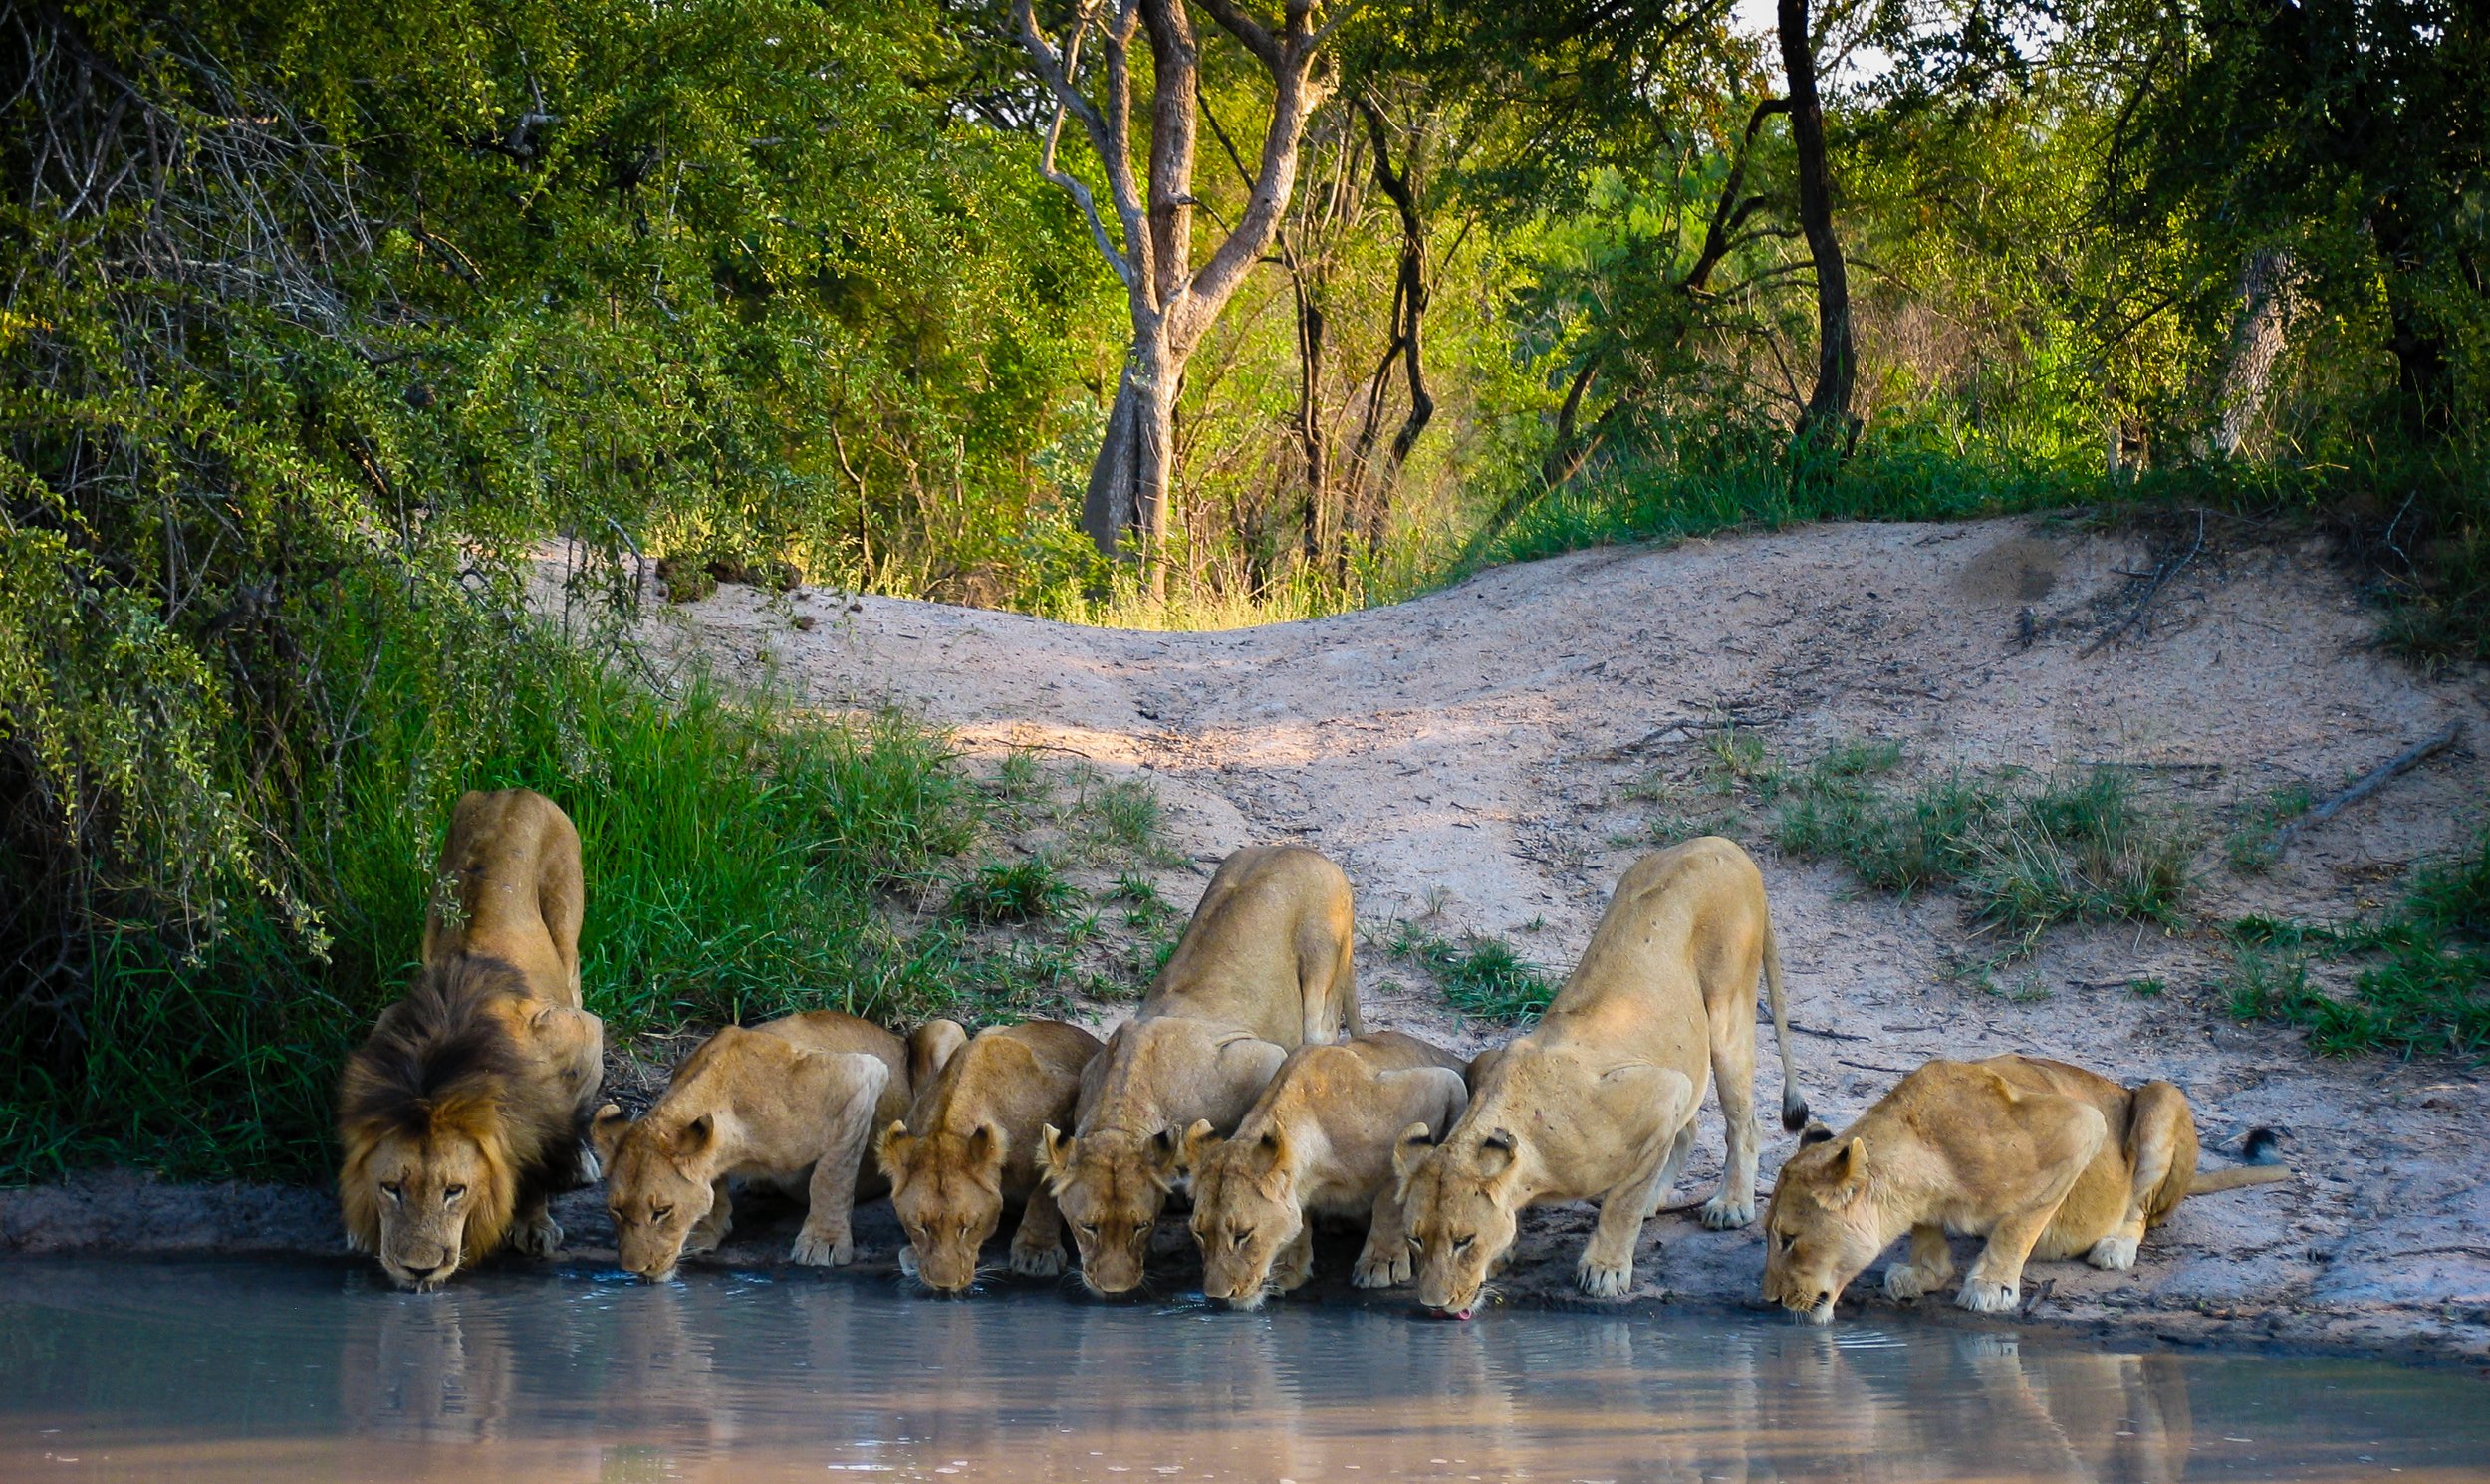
column 1995, row 1283
column 1730, row 1025
column 2160, row 1157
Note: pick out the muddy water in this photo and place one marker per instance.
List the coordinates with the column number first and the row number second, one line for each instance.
column 267, row 1372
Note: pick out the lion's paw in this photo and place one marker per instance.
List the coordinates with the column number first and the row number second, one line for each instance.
column 1604, row 1280
column 1981, row 1295
column 539, row 1235
column 1038, row 1262
column 1726, row 1213
column 704, row 1239
column 1381, row 1271
column 822, row 1250
column 907, row 1261
column 2117, row 1254
column 1905, row 1283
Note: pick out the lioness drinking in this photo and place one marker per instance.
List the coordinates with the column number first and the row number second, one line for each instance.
column 1316, row 1142
column 969, row 1145
column 1600, row 1099
column 463, row 1112
column 2042, row 1158
column 789, row 1103
column 1263, row 968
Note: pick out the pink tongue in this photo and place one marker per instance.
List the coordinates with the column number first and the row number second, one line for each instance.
column 1461, row 1313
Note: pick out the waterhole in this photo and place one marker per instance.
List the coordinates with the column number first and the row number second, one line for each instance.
column 265, row 1371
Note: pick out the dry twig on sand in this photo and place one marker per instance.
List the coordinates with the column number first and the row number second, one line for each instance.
column 2161, row 574
column 2369, row 783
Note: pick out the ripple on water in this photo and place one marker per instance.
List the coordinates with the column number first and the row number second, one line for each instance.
column 277, row 1373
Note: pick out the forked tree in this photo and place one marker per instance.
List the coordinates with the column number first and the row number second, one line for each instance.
column 1091, row 68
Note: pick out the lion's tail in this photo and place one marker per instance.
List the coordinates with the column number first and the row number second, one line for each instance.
column 1792, row 1105
column 2264, row 1167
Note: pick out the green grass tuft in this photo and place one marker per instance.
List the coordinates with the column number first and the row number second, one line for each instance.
column 1030, row 890
column 1480, row 976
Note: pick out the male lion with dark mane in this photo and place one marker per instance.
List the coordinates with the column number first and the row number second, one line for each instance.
column 465, row 1110
column 1263, row 968
column 2044, row 1160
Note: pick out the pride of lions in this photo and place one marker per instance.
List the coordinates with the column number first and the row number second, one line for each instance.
column 1246, row 1082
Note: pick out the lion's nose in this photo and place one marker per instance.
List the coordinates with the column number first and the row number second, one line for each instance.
column 426, row 1275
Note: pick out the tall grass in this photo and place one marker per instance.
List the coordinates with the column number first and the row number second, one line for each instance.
column 732, row 849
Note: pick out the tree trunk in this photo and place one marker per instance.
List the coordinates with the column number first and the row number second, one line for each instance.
column 2257, row 339
column 1309, row 345
column 1827, row 422
column 1114, row 503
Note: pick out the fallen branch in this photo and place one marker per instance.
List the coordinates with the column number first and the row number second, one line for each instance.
column 1827, row 1035
column 2369, row 783
column 2160, row 579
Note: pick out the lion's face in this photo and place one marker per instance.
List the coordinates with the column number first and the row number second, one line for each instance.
column 948, row 1194
column 424, row 1189
column 1111, row 1187
column 1245, row 1213
column 1820, row 1231
column 1460, row 1216
column 658, row 1189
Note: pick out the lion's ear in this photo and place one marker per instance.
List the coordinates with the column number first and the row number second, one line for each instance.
column 693, row 1139
column 1198, row 1142
column 1055, row 1150
column 1408, row 1152
column 985, row 1144
column 1496, row 1154
column 605, row 1135
column 890, row 1152
column 1849, row 1168
column 1166, row 1148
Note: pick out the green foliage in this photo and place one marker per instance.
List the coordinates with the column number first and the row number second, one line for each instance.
column 2079, row 847
column 1480, row 976
column 219, row 1058
column 1028, row 890
column 2422, row 982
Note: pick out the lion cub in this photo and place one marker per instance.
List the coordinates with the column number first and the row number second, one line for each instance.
column 1263, row 968
column 789, row 1103
column 2042, row 1158
column 968, row 1146
column 1316, row 1142
column 1600, row 1099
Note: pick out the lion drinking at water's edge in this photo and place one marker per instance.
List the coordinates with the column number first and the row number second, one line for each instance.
column 2042, row 1158
column 1316, row 1142
column 463, row 1112
column 1600, row 1099
column 1264, row 967
column 969, row 1146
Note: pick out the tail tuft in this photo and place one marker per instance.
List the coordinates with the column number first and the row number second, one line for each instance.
column 2261, row 1146
column 1794, row 1110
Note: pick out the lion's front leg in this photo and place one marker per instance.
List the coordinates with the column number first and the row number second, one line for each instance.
column 1038, row 1244
column 709, row 1232
column 1385, row 1259
column 1932, row 1263
column 533, row 1230
column 1606, row 1268
column 1295, row 1264
column 825, row 1239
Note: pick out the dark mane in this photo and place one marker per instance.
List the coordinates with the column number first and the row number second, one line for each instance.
column 439, row 1042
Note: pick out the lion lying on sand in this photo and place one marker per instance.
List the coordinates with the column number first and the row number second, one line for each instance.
column 789, row 1103
column 2044, row 1160
column 1316, row 1142
column 1599, row 1101
column 463, row 1112
column 1263, row 968
column 969, row 1146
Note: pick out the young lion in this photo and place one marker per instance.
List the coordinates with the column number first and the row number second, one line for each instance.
column 1263, row 968
column 463, row 1112
column 1600, row 1099
column 789, row 1103
column 1316, row 1142
column 974, row 1150
column 2042, row 1158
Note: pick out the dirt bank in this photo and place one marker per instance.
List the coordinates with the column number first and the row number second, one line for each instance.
column 1475, row 757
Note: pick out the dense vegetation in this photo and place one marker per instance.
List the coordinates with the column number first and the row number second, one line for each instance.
column 322, row 321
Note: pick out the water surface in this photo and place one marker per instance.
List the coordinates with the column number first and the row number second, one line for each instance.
column 264, row 1372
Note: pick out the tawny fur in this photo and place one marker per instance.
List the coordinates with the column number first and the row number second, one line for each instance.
column 1263, row 968
column 969, row 1144
column 789, row 1105
column 463, row 1112
column 1317, row 1143
column 2042, row 1159
column 1599, row 1101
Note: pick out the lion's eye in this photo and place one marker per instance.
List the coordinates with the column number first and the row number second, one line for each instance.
column 392, row 1190
column 1086, row 1229
column 618, row 1218
column 1243, row 1237
column 1462, row 1244
column 1417, row 1244
column 660, row 1214
column 1788, row 1242
column 451, row 1193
